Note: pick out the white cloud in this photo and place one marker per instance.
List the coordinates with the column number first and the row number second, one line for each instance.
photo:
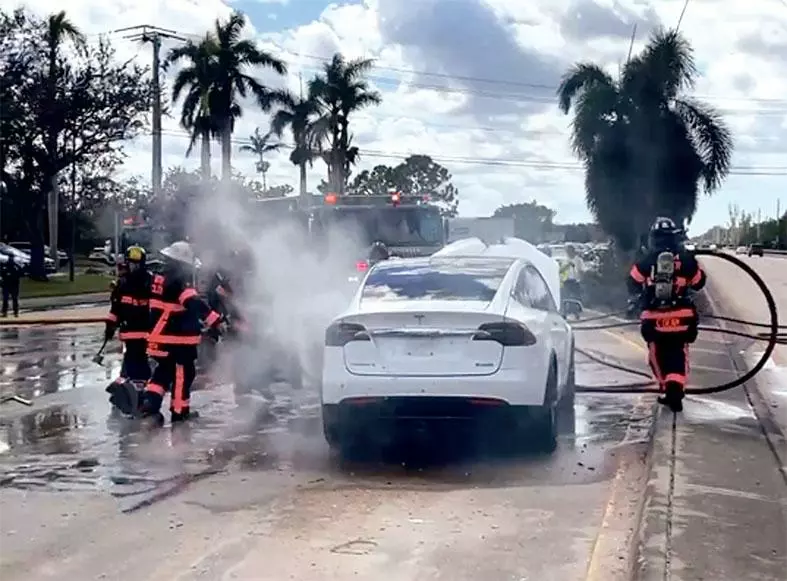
column 520, row 49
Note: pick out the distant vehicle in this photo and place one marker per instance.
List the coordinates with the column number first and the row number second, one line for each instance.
column 450, row 337
column 755, row 250
column 62, row 257
column 713, row 247
column 23, row 258
column 741, row 250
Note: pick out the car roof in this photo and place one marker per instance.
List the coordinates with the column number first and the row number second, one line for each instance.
column 455, row 261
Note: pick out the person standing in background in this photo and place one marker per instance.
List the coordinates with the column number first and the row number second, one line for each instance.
column 11, row 274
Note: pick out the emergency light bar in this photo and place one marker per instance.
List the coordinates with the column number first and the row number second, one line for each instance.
column 392, row 199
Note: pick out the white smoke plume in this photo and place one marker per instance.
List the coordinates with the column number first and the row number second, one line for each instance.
column 295, row 287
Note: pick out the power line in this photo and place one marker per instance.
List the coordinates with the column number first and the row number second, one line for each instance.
column 682, row 13
column 454, row 77
column 501, row 162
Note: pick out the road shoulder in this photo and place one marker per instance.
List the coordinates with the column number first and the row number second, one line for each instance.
column 717, row 501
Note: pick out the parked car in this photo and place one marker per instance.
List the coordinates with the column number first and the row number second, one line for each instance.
column 755, row 250
column 741, row 250
column 23, row 258
column 62, row 256
column 445, row 338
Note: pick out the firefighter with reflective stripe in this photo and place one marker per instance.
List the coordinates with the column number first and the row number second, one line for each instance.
column 663, row 278
column 178, row 316
column 129, row 315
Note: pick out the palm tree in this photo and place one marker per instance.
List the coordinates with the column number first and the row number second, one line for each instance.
column 646, row 146
column 196, row 80
column 259, row 146
column 58, row 29
column 341, row 91
column 302, row 117
column 232, row 83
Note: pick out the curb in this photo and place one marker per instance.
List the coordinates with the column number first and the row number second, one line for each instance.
column 629, row 498
column 22, row 322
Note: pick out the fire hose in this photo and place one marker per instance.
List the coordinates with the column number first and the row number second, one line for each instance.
column 774, row 336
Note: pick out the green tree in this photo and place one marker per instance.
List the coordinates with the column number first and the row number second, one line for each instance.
column 303, row 119
column 193, row 83
column 645, row 145
column 260, row 146
column 532, row 221
column 100, row 103
column 58, row 30
column 418, row 175
column 380, row 180
column 342, row 90
column 225, row 80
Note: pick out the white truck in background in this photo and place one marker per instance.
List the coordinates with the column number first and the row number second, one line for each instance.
column 490, row 230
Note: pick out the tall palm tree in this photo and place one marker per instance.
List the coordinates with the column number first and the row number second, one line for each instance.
column 232, row 82
column 302, row 116
column 342, row 90
column 58, row 30
column 196, row 80
column 645, row 145
column 260, row 145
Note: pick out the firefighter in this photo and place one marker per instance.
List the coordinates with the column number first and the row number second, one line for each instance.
column 178, row 316
column 378, row 251
column 662, row 279
column 129, row 315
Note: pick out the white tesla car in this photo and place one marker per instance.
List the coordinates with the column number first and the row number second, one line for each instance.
column 449, row 338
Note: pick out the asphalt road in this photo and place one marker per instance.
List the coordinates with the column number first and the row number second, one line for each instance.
column 251, row 493
column 250, row 490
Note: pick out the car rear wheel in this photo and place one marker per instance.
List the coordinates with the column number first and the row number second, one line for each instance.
column 546, row 421
column 569, row 392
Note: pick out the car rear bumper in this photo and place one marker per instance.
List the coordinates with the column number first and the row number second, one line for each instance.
column 516, row 387
column 383, row 414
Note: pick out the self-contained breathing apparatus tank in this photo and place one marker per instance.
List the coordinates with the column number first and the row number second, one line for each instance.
column 663, row 277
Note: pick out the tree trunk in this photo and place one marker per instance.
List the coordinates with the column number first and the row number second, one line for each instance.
column 205, row 157
column 264, row 181
column 54, row 214
column 304, row 195
column 226, row 153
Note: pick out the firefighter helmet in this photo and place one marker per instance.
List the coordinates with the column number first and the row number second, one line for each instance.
column 135, row 255
column 663, row 234
column 181, row 252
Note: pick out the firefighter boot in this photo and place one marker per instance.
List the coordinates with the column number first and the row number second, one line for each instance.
column 150, row 409
column 183, row 416
column 673, row 397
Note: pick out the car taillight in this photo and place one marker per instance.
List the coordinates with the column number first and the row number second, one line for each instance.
column 361, row 266
column 339, row 334
column 508, row 334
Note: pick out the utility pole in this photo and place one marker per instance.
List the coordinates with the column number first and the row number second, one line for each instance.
column 759, row 219
column 153, row 34
column 72, row 249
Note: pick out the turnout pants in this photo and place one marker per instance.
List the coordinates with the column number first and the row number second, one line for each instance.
column 668, row 334
column 135, row 360
column 669, row 360
column 174, row 372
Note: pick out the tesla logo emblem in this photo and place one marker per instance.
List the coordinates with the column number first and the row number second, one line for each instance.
column 419, row 318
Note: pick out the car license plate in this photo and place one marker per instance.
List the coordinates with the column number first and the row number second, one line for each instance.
column 419, row 348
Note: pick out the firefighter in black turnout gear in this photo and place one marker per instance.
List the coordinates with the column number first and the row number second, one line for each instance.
column 129, row 315
column 662, row 279
column 178, row 316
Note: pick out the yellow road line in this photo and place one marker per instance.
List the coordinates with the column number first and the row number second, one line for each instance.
column 622, row 338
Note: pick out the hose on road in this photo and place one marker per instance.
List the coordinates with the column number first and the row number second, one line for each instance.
column 773, row 338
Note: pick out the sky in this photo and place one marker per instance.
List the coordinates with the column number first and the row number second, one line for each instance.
column 472, row 83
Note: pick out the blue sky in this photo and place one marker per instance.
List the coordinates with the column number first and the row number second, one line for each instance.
column 479, row 94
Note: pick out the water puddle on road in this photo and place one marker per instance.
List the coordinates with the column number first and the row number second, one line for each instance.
column 74, row 442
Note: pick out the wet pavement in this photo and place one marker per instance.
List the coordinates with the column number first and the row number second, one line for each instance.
column 252, row 491
column 69, row 440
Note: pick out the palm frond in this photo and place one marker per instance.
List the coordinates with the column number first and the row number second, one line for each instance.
column 580, row 78
column 712, row 139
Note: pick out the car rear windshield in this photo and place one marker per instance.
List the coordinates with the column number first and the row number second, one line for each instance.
column 456, row 280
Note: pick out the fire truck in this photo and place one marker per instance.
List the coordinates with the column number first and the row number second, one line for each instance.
column 409, row 226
